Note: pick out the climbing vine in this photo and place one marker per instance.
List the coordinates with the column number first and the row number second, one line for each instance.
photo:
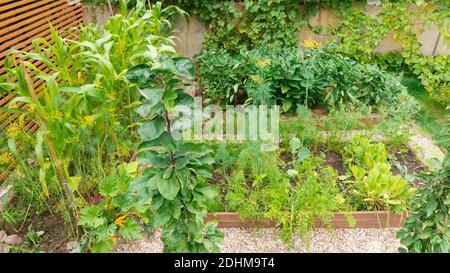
column 359, row 34
column 235, row 25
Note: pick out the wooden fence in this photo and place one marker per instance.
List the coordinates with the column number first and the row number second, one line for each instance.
column 21, row 22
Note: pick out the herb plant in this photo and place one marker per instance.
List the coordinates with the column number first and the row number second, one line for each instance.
column 294, row 199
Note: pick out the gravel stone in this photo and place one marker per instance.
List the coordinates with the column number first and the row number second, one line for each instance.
column 267, row 241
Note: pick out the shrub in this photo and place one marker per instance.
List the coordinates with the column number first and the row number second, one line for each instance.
column 426, row 229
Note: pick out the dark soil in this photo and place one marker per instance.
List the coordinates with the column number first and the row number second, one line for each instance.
column 286, row 158
column 53, row 239
column 334, row 159
column 403, row 155
column 408, row 159
column 217, row 177
column 52, row 226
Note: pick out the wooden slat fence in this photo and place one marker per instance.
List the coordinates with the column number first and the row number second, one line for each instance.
column 21, row 22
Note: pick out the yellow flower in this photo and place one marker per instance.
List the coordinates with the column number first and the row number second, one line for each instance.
column 256, row 79
column 312, row 44
column 263, row 63
column 89, row 121
column 54, row 116
column 13, row 130
column 5, row 158
column 31, row 108
column 120, row 220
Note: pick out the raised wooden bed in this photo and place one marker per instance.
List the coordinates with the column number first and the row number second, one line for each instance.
column 364, row 219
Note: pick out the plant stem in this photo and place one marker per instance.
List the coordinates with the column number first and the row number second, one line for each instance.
column 51, row 148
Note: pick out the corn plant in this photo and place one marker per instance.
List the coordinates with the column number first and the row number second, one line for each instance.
column 58, row 56
column 85, row 101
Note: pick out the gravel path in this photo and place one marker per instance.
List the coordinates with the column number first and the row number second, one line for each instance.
column 267, row 240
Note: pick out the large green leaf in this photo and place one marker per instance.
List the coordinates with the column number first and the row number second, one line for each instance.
column 131, row 229
column 169, row 100
column 153, row 95
column 139, row 74
column 303, row 154
column 153, row 158
column 183, row 98
column 431, row 207
column 103, row 246
column 295, row 144
column 152, row 129
column 206, row 189
column 110, row 187
column 74, row 182
column 184, row 66
column 105, row 231
column 123, row 201
column 168, row 188
column 163, row 215
column 89, row 217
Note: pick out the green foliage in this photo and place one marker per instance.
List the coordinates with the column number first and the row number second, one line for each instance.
column 376, row 188
column 220, row 75
column 358, row 34
column 88, row 105
column 294, row 199
column 245, row 25
column 426, row 229
column 303, row 127
column 435, row 75
column 363, row 153
column 290, row 78
column 175, row 171
column 432, row 115
column 236, row 25
column 313, row 195
column 115, row 213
